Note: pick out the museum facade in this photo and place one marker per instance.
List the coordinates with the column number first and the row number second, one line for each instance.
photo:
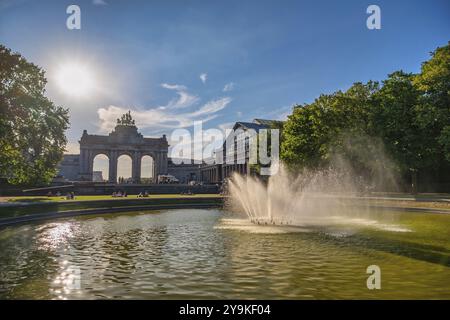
column 126, row 140
column 123, row 140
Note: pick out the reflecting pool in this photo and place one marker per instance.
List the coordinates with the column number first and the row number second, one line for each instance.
column 183, row 254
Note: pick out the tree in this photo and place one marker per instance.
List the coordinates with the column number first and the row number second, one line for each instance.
column 315, row 132
column 305, row 132
column 32, row 138
column 408, row 116
column 395, row 120
column 434, row 108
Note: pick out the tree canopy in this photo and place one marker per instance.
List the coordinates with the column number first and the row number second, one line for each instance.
column 406, row 116
column 32, row 128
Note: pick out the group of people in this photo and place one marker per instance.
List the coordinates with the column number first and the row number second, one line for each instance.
column 143, row 195
column 119, row 194
column 68, row 196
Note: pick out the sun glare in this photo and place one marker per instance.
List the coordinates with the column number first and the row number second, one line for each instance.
column 75, row 80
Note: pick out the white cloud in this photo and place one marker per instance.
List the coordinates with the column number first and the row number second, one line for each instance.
column 72, row 148
column 160, row 118
column 239, row 114
column 177, row 87
column 163, row 119
column 228, row 87
column 99, row 2
column 226, row 125
column 179, row 112
column 184, row 99
column 212, row 106
column 204, row 77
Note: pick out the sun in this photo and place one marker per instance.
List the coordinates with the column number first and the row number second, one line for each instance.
column 75, row 79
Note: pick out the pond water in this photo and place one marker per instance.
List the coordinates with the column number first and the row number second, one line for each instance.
column 183, row 254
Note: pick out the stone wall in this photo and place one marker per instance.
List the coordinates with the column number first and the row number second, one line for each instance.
column 184, row 172
column 69, row 168
column 131, row 189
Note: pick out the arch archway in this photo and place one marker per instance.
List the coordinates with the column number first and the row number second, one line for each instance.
column 124, row 168
column 147, row 169
column 100, row 168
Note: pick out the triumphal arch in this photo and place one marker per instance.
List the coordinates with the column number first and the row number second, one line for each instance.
column 123, row 140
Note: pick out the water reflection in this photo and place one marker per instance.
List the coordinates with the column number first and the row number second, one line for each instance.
column 206, row 254
column 67, row 281
column 53, row 235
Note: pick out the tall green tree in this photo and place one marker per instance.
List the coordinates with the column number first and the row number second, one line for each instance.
column 408, row 116
column 395, row 116
column 32, row 128
column 315, row 132
column 434, row 108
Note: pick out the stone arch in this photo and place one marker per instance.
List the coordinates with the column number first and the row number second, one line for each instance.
column 124, row 139
column 100, row 163
column 125, row 153
column 124, row 167
column 147, row 172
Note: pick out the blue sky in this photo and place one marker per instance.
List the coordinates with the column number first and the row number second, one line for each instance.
column 259, row 57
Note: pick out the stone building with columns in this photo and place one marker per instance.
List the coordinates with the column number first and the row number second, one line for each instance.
column 123, row 140
column 217, row 171
column 126, row 140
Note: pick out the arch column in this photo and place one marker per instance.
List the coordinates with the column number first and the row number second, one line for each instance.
column 85, row 169
column 90, row 163
column 136, row 167
column 112, row 166
column 163, row 161
column 157, row 165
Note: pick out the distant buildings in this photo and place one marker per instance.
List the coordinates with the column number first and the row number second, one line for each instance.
column 220, row 170
column 97, row 176
column 126, row 140
column 185, row 172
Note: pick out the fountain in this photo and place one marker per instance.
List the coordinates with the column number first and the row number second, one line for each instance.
column 309, row 198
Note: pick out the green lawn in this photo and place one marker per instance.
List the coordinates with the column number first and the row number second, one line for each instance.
column 18, row 206
column 31, row 199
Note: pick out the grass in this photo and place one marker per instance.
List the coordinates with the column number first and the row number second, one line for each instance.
column 23, row 205
column 35, row 199
column 412, row 204
column 20, row 206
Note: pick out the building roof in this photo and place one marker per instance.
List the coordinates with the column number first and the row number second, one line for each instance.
column 257, row 124
column 249, row 125
column 266, row 122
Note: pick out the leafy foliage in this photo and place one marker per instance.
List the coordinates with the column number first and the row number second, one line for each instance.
column 407, row 116
column 434, row 108
column 32, row 138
